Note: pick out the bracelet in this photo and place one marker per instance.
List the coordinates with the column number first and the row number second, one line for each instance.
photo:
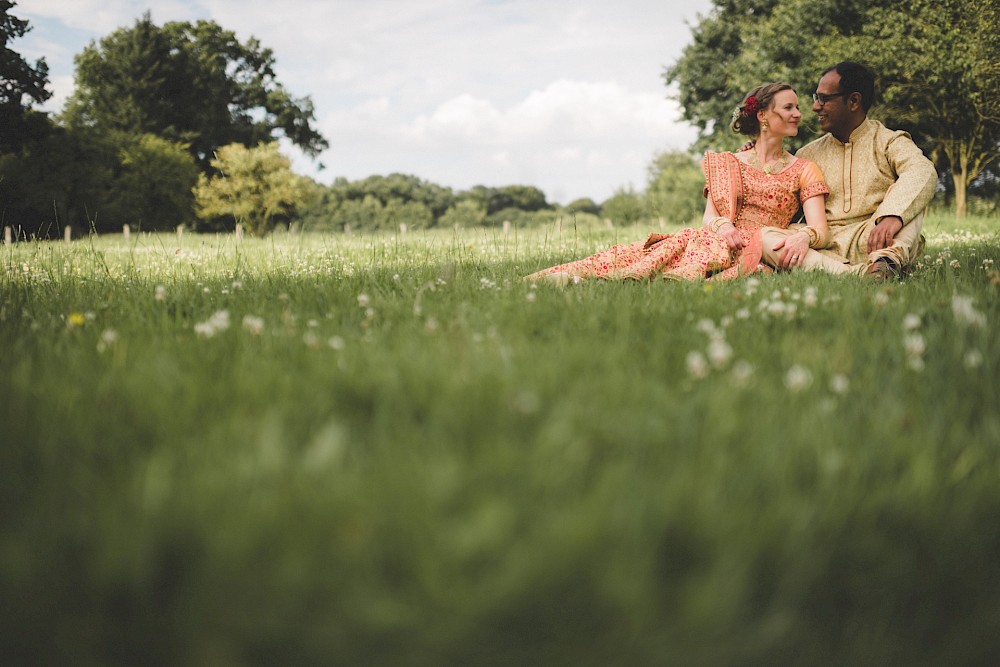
column 715, row 224
column 813, row 236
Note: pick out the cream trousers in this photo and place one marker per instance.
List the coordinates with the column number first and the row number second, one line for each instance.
column 848, row 252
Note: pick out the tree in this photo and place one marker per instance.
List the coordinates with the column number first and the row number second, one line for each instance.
column 18, row 80
column 154, row 187
column 624, row 207
column 254, row 186
column 193, row 83
column 675, row 187
column 945, row 90
column 948, row 87
column 583, row 205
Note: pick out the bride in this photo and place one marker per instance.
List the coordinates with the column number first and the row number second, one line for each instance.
column 762, row 185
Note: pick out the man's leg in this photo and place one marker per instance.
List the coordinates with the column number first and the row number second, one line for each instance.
column 771, row 236
column 907, row 245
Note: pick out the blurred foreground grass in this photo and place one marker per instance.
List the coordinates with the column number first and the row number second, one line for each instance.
column 391, row 450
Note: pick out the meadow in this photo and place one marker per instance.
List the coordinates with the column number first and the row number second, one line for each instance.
column 391, row 450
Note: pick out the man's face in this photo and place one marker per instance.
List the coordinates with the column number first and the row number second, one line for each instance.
column 834, row 113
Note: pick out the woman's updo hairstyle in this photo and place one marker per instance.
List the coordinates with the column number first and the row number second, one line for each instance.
column 762, row 97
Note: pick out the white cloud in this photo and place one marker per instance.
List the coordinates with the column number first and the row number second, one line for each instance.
column 566, row 93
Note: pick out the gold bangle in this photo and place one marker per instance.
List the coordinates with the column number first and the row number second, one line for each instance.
column 813, row 236
column 715, row 224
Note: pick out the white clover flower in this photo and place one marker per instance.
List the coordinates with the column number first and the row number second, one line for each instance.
column 160, row 293
column 705, row 326
column 914, row 344
column 776, row 308
column 219, row 321
column 204, row 329
column 530, row 296
column 839, row 384
column 911, row 322
column 798, row 378
column 742, row 372
column 310, row 339
column 697, row 365
column 108, row 338
column 363, row 300
column 881, row 299
column 973, row 359
column 743, row 314
column 719, row 352
column 336, row 343
column 915, row 363
column 253, row 324
column 965, row 313
column 810, row 299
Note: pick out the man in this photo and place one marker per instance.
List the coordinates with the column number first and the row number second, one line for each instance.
column 880, row 183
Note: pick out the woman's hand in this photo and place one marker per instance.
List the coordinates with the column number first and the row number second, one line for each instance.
column 795, row 249
column 731, row 236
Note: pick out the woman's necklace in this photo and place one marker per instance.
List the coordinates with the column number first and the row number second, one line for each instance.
column 771, row 168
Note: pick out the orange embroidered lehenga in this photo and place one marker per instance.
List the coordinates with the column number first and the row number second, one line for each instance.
column 749, row 197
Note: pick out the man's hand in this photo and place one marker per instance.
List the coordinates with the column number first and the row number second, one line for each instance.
column 884, row 232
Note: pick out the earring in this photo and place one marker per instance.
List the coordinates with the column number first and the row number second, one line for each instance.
column 765, row 126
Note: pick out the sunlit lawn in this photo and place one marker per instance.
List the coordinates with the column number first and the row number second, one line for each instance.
column 329, row 449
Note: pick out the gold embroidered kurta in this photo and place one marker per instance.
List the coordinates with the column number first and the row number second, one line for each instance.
column 878, row 172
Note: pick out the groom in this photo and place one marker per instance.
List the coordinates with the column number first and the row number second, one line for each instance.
column 880, row 183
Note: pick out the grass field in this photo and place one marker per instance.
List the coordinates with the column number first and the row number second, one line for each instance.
column 390, row 450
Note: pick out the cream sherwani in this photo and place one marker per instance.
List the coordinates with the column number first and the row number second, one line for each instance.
column 878, row 172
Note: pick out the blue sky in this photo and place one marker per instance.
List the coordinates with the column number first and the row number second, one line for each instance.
column 566, row 95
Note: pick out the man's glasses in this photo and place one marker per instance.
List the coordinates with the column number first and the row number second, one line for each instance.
column 823, row 98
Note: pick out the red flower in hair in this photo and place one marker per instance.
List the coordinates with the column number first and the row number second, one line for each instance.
column 751, row 106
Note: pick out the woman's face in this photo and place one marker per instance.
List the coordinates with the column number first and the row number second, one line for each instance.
column 784, row 115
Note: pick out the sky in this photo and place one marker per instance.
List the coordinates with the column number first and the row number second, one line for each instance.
column 565, row 95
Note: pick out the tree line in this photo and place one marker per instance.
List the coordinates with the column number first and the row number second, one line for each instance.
column 178, row 124
column 938, row 64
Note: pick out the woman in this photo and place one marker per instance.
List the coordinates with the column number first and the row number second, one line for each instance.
column 761, row 185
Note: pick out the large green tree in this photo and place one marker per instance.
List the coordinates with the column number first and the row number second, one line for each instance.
column 947, row 88
column 937, row 62
column 20, row 82
column 194, row 83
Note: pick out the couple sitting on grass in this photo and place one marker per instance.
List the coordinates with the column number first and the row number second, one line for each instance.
column 862, row 188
